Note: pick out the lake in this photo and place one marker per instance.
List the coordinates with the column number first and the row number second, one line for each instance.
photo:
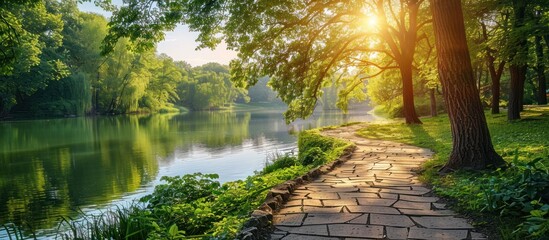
column 60, row 167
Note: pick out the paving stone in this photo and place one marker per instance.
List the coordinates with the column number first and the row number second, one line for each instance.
column 288, row 219
column 329, row 218
column 369, row 189
column 478, row 236
column 323, row 195
column 392, row 184
column 351, row 230
column 320, row 230
column 412, row 205
column 339, row 202
column 287, row 210
column 439, row 205
column 416, row 212
column 306, row 237
column 391, row 220
column 363, row 219
column 377, row 177
column 373, row 209
column 394, row 233
column 405, row 192
column 425, row 233
column 418, row 199
column 312, row 202
column 376, row 201
column 332, row 189
column 388, row 195
column 293, row 203
column 443, row 222
column 358, row 195
column 276, row 236
column 309, row 209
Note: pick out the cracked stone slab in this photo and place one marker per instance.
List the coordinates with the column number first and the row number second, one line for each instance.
column 352, row 230
column 319, row 230
column 376, row 201
column 312, row 202
column 363, row 219
column 288, row 219
column 327, row 218
column 309, row 209
column 323, row 195
column 412, row 205
column 416, row 212
column 425, row 233
column 443, row 222
column 395, row 233
column 405, row 192
column 358, row 195
column 340, row 202
column 418, row 199
column 306, row 237
column 373, row 209
column 391, row 220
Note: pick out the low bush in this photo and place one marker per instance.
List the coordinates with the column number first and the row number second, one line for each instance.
column 279, row 162
column 313, row 156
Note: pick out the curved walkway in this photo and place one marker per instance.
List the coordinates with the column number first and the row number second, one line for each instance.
column 373, row 195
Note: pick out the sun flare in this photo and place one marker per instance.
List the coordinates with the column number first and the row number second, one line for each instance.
column 369, row 23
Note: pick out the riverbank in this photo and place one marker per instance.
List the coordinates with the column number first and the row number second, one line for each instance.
column 197, row 204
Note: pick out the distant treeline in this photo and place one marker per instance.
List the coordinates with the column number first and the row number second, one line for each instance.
column 53, row 67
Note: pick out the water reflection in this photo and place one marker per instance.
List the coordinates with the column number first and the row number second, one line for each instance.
column 52, row 167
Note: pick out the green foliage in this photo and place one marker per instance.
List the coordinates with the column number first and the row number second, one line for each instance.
column 515, row 197
column 279, row 162
column 316, row 149
column 313, row 156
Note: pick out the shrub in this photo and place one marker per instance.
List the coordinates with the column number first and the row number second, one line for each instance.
column 313, row 156
column 280, row 162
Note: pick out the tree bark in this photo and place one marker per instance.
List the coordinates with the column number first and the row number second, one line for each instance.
column 517, row 67
column 409, row 109
column 540, row 70
column 472, row 146
column 433, row 98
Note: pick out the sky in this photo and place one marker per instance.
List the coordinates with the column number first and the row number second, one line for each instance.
column 179, row 44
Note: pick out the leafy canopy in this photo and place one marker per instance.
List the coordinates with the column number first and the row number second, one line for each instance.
column 301, row 45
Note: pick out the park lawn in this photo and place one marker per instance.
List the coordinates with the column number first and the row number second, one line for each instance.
column 507, row 197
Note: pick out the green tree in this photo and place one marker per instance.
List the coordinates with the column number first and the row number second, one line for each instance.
column 38, row 62
column 472, row 146
column 300, row 45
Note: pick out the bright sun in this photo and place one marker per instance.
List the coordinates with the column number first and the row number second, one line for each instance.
column 369, row 23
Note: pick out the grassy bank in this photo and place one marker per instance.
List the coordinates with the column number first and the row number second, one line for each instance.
column 197, row 205
column 510, row 203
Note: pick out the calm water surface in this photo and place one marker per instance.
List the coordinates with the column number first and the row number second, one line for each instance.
column 50, row 168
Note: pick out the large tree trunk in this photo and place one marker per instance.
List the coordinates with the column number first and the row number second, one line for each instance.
column 516, row 87
column 540, row 69
column 518, row 67
column 409, row 109
column 472, row 146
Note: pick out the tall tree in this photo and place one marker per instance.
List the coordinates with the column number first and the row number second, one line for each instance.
column 472, row 146
column 301, row 45
column 518, row 50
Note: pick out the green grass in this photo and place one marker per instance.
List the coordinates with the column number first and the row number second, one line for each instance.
column 486, row 196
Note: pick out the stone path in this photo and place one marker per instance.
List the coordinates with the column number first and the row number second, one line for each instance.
column 374, row 195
